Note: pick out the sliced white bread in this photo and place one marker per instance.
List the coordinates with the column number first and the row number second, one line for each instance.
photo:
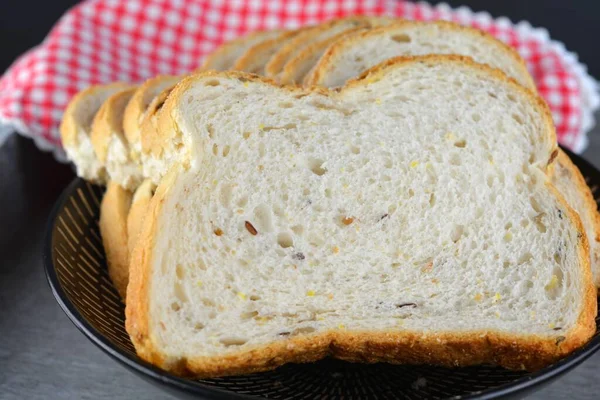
column 113, row 229
column 75, row 130
column 152, row 156
column 257, row 56
column 349, row 57
column 300, row 65
column 317, row 34
column 402, row 232
column 570, row 183
column 111, row 145
column 137, row 212
column 226, row 55
column 136, row 110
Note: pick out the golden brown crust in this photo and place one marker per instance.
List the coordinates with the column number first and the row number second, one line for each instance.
column 254, row 59
column 590, row 204
column 329, row 58
column 139, row 102
column 450, row 348
column 76, row 116
column 275, row 65
column 149, row 128
column 113, row 229
column 221, row 58
column 296, row 68
column 109, row 121
column 137, row 212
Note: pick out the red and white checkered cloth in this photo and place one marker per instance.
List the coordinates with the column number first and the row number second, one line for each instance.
column 101, row 41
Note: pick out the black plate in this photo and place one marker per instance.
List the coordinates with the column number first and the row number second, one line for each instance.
column 76, row 270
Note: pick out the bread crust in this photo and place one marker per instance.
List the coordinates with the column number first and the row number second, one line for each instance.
column 139, row 102
column 220, row 59
column 253, row 60
column 113, row 229
column 137, row 212
column 276, row 64
column 149, row 127
column 590, row 205
column 299, row 66
column 108, row 121
column 71, row 120
column 450, row 348
column 329, row 58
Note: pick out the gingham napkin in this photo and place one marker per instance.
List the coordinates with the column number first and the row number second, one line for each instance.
column 102, row 41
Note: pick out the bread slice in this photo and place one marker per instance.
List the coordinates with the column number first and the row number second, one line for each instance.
column 226, row 55
column 136, row 109
column 111, row 145
column 255, row 58
column 152, row 156
column 570, row 183
column 349, row 57
column 137, row 212
column 317, row 34
column 75, row 130
column 403, row 231
column 113, row 229
column 300, row 65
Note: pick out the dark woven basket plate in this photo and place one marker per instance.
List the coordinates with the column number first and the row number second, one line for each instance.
column 76, row 271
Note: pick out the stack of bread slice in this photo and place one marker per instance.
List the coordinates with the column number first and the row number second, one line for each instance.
column 389, row 191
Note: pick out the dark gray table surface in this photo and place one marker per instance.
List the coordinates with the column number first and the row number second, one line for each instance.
column 43, row 356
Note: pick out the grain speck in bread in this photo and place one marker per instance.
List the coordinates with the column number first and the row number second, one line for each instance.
column 475, row 246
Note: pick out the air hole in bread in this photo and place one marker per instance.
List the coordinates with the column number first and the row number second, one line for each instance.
column 358, row 59
column 233, row 341
column 261, row 149
column 557, row 258
column 278, row 211
column 243, row 263
column 211, row 130
column 456, row 233
column 455, row 159
column 328, row 193
column 493, row 95
column 539, row 222
column 525, row 258
column 179, row 292
column 212, row 82
column 316, row 166
column 460, row 144
column 254, row 297
column 175, row 306
column 508, row 226
column 242, row 201
column 285, row 240
column 198, row 326
column 298, row 230
column 225, row 194
column 246, row 134
column 180, row 272
column 225, row 151
column 432, row 199
column 387, row 163
column 355, row 149
column 386, row 178
column 248, row 315
column 535, row 205
column 489, row 180
column 411, row 193
column 263, row 221
column 476, row 117
column 212, row 315
column 207, row 302
column 511, row 97
column 401, row 38
column 518, row 118
column 285, row 104
column 524, row 223
column 215, row 149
